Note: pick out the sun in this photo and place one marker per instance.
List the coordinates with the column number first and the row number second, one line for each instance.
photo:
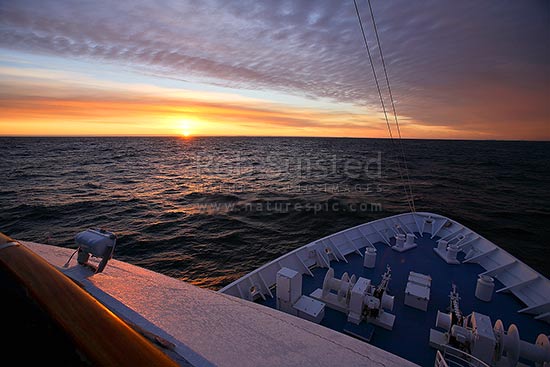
column 185, row 128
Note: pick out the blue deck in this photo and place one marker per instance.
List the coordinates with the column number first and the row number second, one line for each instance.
column 410, row 336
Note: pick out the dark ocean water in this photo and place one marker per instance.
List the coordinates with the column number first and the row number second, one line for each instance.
column 209, row 210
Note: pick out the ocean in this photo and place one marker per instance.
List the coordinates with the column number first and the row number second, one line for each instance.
column 210, row 209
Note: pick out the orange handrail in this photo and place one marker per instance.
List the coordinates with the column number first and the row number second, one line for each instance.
column 104, row 338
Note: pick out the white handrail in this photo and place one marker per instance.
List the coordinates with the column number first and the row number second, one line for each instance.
column 457, row 357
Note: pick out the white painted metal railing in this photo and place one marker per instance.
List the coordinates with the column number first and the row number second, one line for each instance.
column 439, row 360
column 456, row 357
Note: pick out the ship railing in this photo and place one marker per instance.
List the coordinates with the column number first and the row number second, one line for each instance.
column 440, row 360
column 450, row 357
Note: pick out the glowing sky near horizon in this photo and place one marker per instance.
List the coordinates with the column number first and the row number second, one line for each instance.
column 468, row 70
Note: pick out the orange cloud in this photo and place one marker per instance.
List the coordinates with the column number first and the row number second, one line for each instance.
column 158, row 116
column 38, row 102
column 137, row 115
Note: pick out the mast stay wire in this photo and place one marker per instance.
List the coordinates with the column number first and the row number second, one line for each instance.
column 393, row 107
column 408, row 194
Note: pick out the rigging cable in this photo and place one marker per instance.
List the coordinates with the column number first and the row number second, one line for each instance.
column 410, row 201
column 393, row 107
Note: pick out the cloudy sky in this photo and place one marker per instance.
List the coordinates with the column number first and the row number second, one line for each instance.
column 458, row 69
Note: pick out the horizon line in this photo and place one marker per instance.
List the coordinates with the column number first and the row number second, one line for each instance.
column 259, row 136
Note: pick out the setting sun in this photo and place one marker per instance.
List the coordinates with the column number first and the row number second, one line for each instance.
column 185, row 128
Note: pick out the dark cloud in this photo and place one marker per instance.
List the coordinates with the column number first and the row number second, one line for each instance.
column 458, row 63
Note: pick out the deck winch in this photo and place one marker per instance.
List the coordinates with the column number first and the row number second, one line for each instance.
column 475, row 334
column 358, row 298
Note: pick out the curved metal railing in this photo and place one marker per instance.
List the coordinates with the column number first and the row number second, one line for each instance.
column 455, row 357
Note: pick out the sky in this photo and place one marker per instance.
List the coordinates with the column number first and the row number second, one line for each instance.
column 457, row 69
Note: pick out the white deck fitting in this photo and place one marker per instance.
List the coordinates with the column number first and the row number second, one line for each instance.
column 417, row 296
column 210, row 328
column 404, row 244
column 417, row 292
column 443, row 255
column 310, row 309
